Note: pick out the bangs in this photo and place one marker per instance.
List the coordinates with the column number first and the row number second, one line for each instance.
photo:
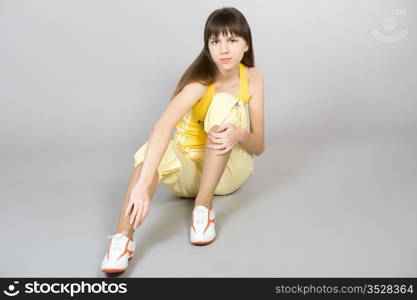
column 225, row 26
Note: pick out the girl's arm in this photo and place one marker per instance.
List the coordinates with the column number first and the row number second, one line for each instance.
column 161, row 132
column 253, row 140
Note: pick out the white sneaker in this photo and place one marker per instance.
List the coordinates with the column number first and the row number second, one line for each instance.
column 202, row 230
column 121, row 249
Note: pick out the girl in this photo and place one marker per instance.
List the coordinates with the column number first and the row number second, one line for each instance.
column 211, row 152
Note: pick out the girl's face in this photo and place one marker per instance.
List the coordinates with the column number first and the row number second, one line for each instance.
column 232, row 46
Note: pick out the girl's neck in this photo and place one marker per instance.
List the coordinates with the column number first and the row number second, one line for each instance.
column 227, row 77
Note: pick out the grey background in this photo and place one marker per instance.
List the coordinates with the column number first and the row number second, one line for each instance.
column 334, row 193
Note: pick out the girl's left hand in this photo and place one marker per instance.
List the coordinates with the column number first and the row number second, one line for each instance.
column 223, row 137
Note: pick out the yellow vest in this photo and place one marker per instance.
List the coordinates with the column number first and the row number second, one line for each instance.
column 190, row 129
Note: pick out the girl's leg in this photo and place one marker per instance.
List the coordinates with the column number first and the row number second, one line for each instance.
column 213, row 168
column 124, row 224
column 224, row 108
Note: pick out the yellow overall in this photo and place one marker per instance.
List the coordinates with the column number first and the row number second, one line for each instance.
column 181, row 166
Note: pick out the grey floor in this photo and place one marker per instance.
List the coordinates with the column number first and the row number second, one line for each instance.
column 314, row 208
column 82, row 85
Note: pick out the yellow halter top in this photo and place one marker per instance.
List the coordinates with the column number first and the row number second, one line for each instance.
column 190, row 129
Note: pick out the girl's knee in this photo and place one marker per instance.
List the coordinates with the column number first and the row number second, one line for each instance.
column 224, row 192
column 222, row 189
column 223, row 109
column 213, row 128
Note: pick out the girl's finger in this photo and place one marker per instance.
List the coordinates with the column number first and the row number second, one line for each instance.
column 223, row 127
column 215, row 147
column 217, row 135
column 145, row 211
column 136, row 221
column 222, row 152
column 215, row 140
column 128, row 208
column 220, row 141
column 138, row 215
column 133, row 215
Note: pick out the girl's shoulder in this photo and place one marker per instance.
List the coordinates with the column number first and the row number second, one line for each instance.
column 253, row 72
column 253, row 75
column 200, row 89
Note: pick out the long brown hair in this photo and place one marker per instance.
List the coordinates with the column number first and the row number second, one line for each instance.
column 203, row 69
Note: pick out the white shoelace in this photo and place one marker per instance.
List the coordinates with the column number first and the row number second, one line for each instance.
column 200, row 216
column 117, row 242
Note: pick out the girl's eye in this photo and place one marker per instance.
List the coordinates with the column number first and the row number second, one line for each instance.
column 234, row 40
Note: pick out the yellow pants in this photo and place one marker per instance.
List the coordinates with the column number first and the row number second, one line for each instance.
column 181, row 168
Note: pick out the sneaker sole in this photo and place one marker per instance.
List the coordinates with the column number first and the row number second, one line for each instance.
column 116, row 270
column 203, row 243
column 113, row 270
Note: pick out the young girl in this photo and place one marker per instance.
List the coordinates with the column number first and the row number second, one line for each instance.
column 211, row 152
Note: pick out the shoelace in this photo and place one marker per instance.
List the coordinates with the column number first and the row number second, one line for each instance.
column 200, row 216
column 117, row 242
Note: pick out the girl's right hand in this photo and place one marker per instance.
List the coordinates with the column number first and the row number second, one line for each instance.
column 139, row 204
